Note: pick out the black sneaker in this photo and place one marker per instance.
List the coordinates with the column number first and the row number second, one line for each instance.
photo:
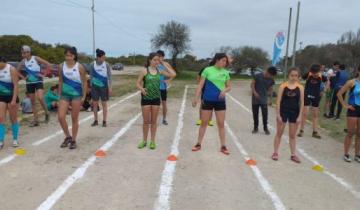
column 301, row 133
column 47, row 117
column 316, row 135
column 34, row 124
column 164, row 122
column 66, row 142
column 72, row 145
column 330, row 116
column 255, row 130
column 347, row 158
column 267, row 132
column 104, row 124
column 95, row 123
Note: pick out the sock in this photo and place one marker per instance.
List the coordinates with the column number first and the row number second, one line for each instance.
column 15, row 130
column 2, row 132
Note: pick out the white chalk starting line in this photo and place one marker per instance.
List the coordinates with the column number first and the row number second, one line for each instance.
column 336, row 178
column 167, row 177
column 264, row 183
column 11, row 157
column 80, row 172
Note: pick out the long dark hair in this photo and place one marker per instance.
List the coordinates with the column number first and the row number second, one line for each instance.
column 217, row 57
column 149, row 58
column 73, row 51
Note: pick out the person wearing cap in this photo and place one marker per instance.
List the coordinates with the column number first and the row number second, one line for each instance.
column 34, row 81
column 100, row 82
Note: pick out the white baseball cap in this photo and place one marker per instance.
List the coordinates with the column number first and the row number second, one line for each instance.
column 26, row 48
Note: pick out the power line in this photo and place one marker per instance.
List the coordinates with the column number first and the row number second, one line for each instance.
column 66, row 4
column 77, row 4
column 110, row 21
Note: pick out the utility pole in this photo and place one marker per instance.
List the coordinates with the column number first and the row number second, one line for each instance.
column 295, row 36
column 93, row 27
column 287, row 45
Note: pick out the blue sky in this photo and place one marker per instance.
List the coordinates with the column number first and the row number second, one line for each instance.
column 126, row 26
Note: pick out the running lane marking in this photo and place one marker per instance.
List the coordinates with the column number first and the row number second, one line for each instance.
column 264, row 183
column 163, row 199
column 338, row 179
column 80, row 172
column 9, row 158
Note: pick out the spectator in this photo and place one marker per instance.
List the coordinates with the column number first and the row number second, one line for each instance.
column 52, row 98
column 26, row 104
column 341, row 78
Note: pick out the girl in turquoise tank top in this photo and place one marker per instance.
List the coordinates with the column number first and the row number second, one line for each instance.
column 148, row 83
column 353, row 115
column 72, row 89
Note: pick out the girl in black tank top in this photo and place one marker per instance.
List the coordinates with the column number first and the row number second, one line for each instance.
column 290, row 103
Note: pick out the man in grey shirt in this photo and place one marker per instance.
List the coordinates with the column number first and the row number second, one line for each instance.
column 261, row 87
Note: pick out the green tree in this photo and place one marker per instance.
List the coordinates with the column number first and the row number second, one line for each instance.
column 173, row 36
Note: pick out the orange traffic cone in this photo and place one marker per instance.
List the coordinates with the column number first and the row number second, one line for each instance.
column 172, row 158
column 100, row 153
column 251, row 162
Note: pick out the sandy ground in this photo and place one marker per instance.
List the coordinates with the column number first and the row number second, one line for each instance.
column 128, row 178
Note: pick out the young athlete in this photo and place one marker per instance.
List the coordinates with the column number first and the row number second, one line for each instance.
column 100, row 77
column 312, row 98
column 290, row 101
column 213, row 86
column 34, row 81
column 164, row 81
column 341, row 77
column 8, row 100
column 198, row 122
column 148, row 83
column 353, row 115
column 72, row 91
column 261, row 87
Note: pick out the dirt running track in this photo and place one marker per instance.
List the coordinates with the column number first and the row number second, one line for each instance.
column 48, row 177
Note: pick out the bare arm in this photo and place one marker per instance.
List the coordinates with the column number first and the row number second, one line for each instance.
column 139, row 82
column 348, row 85
column 19, row 68
column 199, row 89
column 42, row 61
column 83, row 80
column 170, row 72
column 278, row 100
column 60, row 79
column 301, row 103
column 253, row 90
column 15, row 79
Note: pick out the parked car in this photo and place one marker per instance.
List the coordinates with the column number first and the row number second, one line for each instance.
column 118, row 67
column 248, row 72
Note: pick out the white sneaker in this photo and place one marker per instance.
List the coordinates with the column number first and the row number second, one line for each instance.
column 347, row 158
column 357, row 158
column 15, row 143
column 1, row 144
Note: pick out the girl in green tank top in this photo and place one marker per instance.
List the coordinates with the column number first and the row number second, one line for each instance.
column 148, row 83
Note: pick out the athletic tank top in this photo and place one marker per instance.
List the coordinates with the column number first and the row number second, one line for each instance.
column 354, row 94
column 99, row 75
column 290, row 98
column 6, row 85
column 72, row 85
column 32, row 69
column 152, row 85
column 313, row 84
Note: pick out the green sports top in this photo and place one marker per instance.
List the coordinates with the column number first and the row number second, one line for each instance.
column 151, row 83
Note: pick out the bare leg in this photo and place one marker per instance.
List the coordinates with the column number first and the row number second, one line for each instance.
column 62, row 110
column 95, row 109
column 205, row 117
column 105, row 110
column 292, row 139
column 146, row 113
column 33, row 106
column 40, row 96
column 220, row 121
column 280, row 126
column 303, row 119
column 351, row 125
column 315, row 115
column 76, row 106
column 154, row 116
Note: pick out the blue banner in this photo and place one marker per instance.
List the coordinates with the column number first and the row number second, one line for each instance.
column 278, row 45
